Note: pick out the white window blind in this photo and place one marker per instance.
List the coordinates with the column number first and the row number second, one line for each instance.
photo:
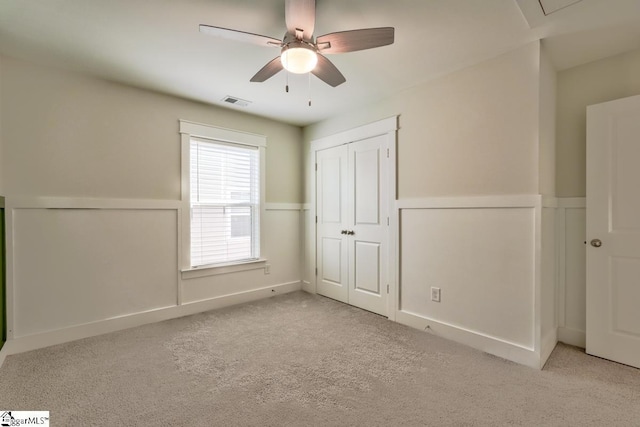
column 225, row 202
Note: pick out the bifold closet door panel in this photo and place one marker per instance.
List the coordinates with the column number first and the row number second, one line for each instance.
column 332, row 210
column 368, row 217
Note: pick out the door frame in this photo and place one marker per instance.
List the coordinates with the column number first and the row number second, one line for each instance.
column 388, row 127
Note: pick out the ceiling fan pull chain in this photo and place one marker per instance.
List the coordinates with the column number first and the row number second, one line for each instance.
column 309, row 89
column 286, row 72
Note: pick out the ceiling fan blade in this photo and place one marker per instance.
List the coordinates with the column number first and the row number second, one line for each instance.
column 327, row 72
column 350, row 41
column 271, row 69
column 300, row 15
column 239, row 36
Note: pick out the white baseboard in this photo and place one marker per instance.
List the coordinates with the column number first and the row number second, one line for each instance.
column 308, row 287
column 572, row 337
column 3, row 354
column 46, row 339
column 547, row 345
column 494, row 346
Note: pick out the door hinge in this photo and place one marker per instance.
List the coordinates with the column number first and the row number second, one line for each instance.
column 387, row 288
column 316, row 167
column 387, row 153
column 316, row 219
column 387, row 221
column 316, row 271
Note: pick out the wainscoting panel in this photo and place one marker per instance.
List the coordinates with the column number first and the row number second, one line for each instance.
column 484, row 262
column 572, row 220
column 548, row 284
column 281, row 231
column 77, row 266
column 308, row 249
column 82, row 267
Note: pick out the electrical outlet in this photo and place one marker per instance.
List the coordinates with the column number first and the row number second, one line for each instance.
column 267, row 269
column 435, row 294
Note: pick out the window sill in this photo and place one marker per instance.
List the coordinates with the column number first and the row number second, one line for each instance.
column 215, row 270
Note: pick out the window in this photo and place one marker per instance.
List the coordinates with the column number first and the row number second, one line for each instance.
column 225, row 202
column 222, row 187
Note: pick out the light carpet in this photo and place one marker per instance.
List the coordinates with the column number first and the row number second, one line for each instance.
column 304, row 360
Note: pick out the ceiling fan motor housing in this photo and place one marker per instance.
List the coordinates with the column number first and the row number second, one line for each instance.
column 299, row 57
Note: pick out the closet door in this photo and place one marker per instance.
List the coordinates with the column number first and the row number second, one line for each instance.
column 368, row 238
column 353, row 223
column 331, row 210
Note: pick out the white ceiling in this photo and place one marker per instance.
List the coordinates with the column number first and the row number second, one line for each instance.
column 155, row 44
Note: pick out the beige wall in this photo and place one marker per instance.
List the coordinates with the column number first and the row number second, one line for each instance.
column 593, row 83
column 487, row 130
column 110, row 150
column 548, row 87
column 474, row 132
column 70, row 135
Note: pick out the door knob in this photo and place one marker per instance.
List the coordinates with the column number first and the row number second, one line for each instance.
column 351, row 232
column 596, row 243
column 344, row 232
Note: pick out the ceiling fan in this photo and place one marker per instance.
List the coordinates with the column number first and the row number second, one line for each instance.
column 300, row 53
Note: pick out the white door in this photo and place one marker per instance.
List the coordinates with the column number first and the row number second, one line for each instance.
column 353, row 230
column 613, row 230
column 368, row 224
column 331, row 210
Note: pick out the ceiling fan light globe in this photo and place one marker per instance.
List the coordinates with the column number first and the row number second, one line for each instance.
column 299, row 59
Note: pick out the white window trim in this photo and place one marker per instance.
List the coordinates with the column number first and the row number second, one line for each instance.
column 187, row 131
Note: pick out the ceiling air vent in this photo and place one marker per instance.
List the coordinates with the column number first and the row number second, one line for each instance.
column 236, row 101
